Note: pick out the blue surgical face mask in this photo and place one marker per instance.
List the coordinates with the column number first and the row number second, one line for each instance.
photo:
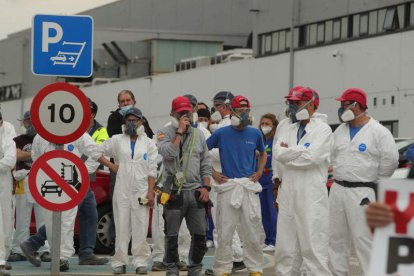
column 131, row 129
column 31, row 131
column 124, row 109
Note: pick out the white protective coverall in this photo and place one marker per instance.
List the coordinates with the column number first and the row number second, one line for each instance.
column 277, row 167
column 303, row 219
column 85, row 145
column 130, row 217
column 7, row 163
column 238, row 201
column 372, row 154
column 237, row 249
column 24, row 206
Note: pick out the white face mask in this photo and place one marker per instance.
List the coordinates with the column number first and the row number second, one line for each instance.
column 266, row 129
column 348, row 116
column 302, row 114
column 203, row 124
column 213, row 127
column 216, row 116
column 235, row 121
column 140, row 130
column 174, row 121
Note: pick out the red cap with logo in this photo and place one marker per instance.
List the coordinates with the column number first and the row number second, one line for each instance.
column 293, row 89
column 305, row 94
column 181, row 103
column 239, row 102
column 354, row 95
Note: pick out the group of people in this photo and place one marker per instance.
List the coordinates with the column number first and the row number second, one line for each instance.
column 217, row 172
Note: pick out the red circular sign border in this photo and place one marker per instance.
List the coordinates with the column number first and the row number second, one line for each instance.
column 35, row 118
column 36, row 166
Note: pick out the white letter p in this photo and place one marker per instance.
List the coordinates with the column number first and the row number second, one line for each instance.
column 46, row 40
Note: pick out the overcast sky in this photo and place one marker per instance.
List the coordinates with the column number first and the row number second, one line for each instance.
column 16, row 15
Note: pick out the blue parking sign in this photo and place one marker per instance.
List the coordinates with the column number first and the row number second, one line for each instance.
column 62, row 45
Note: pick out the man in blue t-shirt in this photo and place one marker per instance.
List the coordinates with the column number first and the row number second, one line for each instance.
column 237, row 199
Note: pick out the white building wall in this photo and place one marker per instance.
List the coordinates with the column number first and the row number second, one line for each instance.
column 383, row 66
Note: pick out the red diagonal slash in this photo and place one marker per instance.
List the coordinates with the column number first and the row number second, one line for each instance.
column 59, row 181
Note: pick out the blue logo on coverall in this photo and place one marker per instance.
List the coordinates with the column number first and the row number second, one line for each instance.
column 362, row 147
column 71, row 147
column 145, row 156
column 306, row 145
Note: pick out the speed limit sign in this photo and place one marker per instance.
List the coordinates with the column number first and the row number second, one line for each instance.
column 60, row 113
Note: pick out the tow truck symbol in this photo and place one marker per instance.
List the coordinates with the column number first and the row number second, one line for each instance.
column 50, row 187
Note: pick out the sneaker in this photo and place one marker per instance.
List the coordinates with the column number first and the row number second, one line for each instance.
column 269, row 248
column 264, row 245
column 141, row 270
column 30, row 253
column 3, row 271
column 16, row 257
column 255, row 274
column 64, row 265
column 209, row 272
column 8, row 266
column 182, row 266
column 46, row 257
column 210, row 244
column 158, row 266
column 238, row 266
column 119, row 269
column 93, row 260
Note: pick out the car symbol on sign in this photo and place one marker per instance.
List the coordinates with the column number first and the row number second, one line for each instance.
column 61, row 58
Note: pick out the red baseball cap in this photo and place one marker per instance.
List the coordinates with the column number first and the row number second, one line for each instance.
column 305, row 94
column 181, row 103
column 354, row 95
column 293, row 89
column 237, row 102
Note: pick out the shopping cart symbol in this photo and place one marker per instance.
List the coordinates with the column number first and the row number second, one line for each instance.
column 69, row 58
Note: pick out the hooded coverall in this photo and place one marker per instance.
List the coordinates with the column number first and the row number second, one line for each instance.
column 303, row 219
column 371, row 154
column 7, row 163
column 131, row 218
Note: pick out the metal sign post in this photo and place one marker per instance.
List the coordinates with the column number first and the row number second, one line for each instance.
column 57, row 222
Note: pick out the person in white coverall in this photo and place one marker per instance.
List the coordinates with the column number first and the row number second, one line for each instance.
column 277, row 167
column 364, row 151
column 238, row 203
column 24, row 200
column 135, row 157
column 303, row 219
column 7, row 163
column 84, row 145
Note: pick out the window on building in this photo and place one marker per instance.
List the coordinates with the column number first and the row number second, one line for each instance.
column 320, row 38
column 336, row 30
column 392, row 100
column 344, row 27
column 268, row 44
column 303, row 36
column 296, row 38
column 380, row 21
column 401, row 16
column 412, row 14
column 355, row 26
column 373, row 17
column 312, row 34
column 391, row 21
column 288, row 40
column 193, row 64
column 328, row 31
column 384, row 101
column 282, row 41
column 392, row 126
column 275, row 42
column 363, row 24
column 374, row 101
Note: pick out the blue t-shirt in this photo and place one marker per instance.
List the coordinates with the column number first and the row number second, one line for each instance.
column 237, row 149
column 353, row 131
column 266, row 178
column 132, row 148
